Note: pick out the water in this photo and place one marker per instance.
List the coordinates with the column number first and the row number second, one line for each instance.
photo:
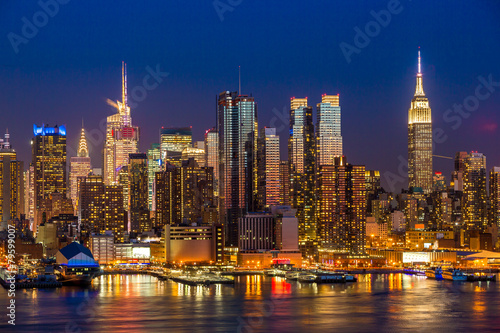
column 376, row 303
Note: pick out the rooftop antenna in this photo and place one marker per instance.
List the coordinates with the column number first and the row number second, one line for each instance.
column 239, row 80
column 419, row 67
column 124, row 83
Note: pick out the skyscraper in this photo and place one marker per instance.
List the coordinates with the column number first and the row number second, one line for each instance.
column 495, row 196
column 212, row 155
column 420, row 138
column 11, row 183
column 268, row 159
column 49, row 161
column 154, row 165
column 173, row 140
column 121, row 137
column 284, row 183
column 301, row 159
column 474, row 199
column 329, row 138
column 138, row 196
column 457, row 176
column 80, row 167
column 342, row 207
column 237, row 128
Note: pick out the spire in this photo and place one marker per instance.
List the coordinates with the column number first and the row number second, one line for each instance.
column 83, row 150
column 239, row 80
column 419, row 89
column 124, row 83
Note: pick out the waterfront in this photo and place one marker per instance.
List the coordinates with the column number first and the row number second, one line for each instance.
column 139, row 303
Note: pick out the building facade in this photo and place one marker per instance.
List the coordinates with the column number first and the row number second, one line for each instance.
column 474, row 198
column 328, row 136
column 79, row 167
column 268, row 163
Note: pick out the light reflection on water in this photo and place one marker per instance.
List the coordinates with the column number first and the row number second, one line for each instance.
column 135, row 303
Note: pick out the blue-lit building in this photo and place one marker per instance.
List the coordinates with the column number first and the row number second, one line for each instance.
column 49, row 162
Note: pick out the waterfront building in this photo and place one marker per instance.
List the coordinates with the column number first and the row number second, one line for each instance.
column 237, row 128
column 79, row 167
column 103, row 248
column 301, row 161
column 328, row 136
column 474, row 199
column 139, row 217
column 132, row 253
column 12, row 203
column 420, row 138
column 256, row 232
column 49, row 161
column 173, row 141
column 268, row 160
column 121, row 137
column 342, row 206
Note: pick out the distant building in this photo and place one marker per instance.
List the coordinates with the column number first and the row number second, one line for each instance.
column 103, row 248
column 79, row 167
column 268, row 164
column 173, row 141
column 474, row 199
column 328, row 137
column 284, row 183
column 154, row 165
column 495, row 196
column 212, row 155
column 256, row 232
column 458, row 173
column 139, row 216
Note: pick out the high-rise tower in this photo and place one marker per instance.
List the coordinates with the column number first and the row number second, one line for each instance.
column 80, row 167
column 301, row 159
column 237, row 128
column 121, row 137
column 420, row 138
column 474, row 198
column 268, row 159
column 329, row 138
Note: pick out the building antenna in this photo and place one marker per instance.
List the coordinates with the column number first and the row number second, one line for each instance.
column 419, row 67
column 239, row 80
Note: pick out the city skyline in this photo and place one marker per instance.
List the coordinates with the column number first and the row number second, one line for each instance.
column 389, row 68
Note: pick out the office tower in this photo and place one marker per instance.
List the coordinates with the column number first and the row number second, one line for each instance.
column 29, row 192
column 458, row 174
column 49, row 160
column 284, row 183
column 328, row 136
column 123, row 181
column 212, row 155
column 80, row 167
column 372, row 187
column 256, row 232
column 301, row 159
column 474, row 198
column 154, row 165
column 197, row 153
column 420, row 138
column 342, row 207
column 139, row 218
column 100, row 208
column 173, row 140
column 183, row 193
column 121, row 136
column 494, row 196
column 11, row 184
column 268, row 165
column 237, row 128
column 438, row 182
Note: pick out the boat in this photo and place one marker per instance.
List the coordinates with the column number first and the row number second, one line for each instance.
column 292, row 275
column 270, row 272
column 434, row 273
column 350, row 278
column 307, row 278
column 454, row 275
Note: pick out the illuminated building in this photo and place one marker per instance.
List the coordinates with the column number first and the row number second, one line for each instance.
column 154, row 165
column 420, row 138
column 121, row 137
column 301, row 159
column 342, row 206
column 103, row 248
column 495, row 196
column 212, row 155
column 11, row 184
column 193, row 244
column 29, row 190
column 197, row 153
column 256, row 232
column 474, row 198
column 183, row 193
column 237, row 128
column 418, row 240
column 49, row 160
column 268, row 159
column 284, row 183
column 139, row 218
column 100, row 207
column 173, row 140
column 372, row 187
column 458, row 174
column 124, row 182
column 438, row 182
column 80, row 167
column 329, row 138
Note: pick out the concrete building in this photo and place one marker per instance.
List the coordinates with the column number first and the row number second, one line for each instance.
column 103, row 248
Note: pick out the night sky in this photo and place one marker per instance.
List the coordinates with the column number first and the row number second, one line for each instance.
column 285, row 48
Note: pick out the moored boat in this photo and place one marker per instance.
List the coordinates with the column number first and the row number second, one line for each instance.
column 434, row 273
column 454, row 275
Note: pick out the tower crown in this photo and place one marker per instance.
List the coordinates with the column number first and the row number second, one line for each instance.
column 83, row 150
column 419, row 89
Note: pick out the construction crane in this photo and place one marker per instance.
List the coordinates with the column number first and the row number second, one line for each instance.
column 450, row 158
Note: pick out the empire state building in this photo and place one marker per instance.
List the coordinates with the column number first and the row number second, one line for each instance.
column 420, row 138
